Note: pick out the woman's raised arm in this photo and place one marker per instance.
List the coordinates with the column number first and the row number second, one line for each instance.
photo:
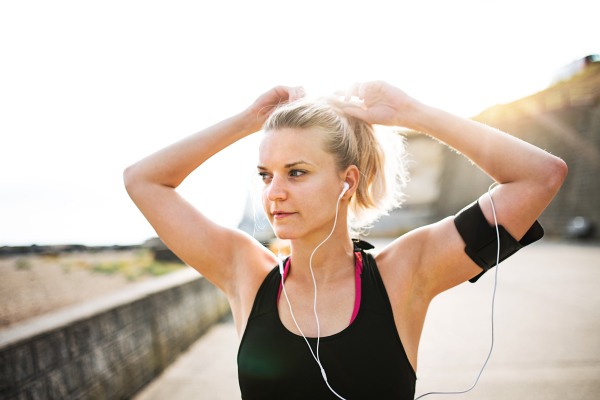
column 529, row 178
column 211, row 249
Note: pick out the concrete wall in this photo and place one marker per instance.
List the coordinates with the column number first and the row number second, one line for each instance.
column 111, row 347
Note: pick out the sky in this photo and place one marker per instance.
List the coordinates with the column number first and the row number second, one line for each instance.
column 89, row 88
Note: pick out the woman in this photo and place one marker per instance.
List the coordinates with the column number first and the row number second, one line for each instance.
column 310, row 150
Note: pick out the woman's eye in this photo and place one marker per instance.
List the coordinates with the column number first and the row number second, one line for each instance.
column 297, row 170
column 293, row 172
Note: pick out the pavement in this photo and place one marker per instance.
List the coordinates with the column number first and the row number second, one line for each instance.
column 546, row 336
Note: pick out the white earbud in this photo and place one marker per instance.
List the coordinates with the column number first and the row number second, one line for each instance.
column 346, row 187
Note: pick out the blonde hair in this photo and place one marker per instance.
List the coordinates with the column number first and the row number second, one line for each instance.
column 379, row 153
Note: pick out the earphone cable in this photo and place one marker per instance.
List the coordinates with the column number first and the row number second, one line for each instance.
column 317, row 359
column 313, row 354
column 313, row 275
column 493, row 297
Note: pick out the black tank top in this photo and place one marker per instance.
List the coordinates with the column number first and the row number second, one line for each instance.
column 366, row 360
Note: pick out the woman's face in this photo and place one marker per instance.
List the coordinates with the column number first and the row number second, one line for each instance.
column 300, row 180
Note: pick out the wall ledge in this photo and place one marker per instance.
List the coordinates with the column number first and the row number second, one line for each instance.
column 70, row 314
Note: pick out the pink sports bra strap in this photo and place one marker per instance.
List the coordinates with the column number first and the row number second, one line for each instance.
column 357, row 271
column 285, row 272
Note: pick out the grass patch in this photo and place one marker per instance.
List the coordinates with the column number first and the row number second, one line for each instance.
column 143, row 265
column 22, row 264
column 108, row 268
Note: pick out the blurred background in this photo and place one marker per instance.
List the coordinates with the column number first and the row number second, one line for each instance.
column 89, row 88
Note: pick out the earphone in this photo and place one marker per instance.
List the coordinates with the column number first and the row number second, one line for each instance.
column 281, row 271
column 317, row 359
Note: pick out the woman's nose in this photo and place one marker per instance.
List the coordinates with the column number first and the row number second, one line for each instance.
column 277, row 190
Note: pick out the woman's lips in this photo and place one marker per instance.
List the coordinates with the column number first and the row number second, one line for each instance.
column 279, row 216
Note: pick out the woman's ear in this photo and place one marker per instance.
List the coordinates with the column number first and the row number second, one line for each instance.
column 351, row 177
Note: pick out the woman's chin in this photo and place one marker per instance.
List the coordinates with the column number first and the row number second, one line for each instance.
column 283, row 236
column 287, row 234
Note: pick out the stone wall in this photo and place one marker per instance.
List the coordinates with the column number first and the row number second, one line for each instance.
column 111, row 347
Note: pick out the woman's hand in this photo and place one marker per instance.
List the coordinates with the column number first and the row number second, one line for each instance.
column 264, row 106
column 384, row 104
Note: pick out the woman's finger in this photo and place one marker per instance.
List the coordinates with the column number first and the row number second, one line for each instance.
column 354, row 104
column 352, row 91
column 292, row 94
column 296, row 93
column 299, row 92
column 357, row 112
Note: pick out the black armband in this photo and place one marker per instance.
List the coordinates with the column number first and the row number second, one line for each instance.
column 482, row 242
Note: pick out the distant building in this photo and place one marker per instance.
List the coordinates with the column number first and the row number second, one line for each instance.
column 574, row 68
column 563, row 120
column 255, row 223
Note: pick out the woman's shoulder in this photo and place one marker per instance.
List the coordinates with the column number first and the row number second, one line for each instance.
column 397, row 262
column 255, row 264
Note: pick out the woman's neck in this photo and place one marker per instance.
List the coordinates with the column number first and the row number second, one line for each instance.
column 333, row 260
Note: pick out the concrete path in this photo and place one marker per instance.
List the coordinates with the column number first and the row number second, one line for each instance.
column 207, row 370
column 546, row 336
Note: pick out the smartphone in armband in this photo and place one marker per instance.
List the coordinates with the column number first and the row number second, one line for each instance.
column 482, row 241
